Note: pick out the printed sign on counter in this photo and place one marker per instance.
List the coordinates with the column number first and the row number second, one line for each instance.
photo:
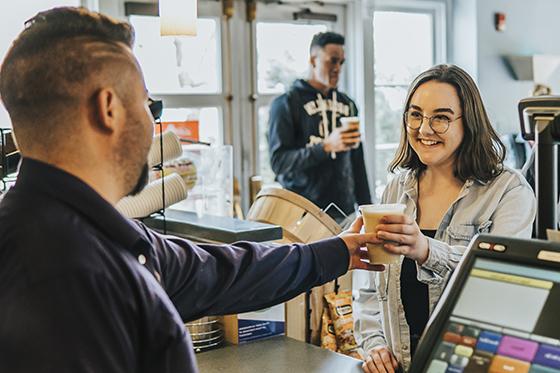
column 250, row 326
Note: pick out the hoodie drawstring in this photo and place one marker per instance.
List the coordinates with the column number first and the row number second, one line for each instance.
column 333, row 110
column 323, row 106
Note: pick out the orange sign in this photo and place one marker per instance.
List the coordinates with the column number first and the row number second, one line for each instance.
column 187, row 129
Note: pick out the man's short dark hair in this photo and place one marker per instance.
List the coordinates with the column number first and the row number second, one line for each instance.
column 53, row 59
column 323, row 38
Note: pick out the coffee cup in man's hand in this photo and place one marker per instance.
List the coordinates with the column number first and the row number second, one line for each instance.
column 351, row 128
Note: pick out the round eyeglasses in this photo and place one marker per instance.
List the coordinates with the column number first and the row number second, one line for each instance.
column 439, row 123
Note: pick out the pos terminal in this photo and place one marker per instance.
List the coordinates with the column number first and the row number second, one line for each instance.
column 540, row 122
column 500, row 313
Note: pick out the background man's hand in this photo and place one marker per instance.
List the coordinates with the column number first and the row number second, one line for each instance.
column 356, row 242
column 380, row 360
column 340, row 141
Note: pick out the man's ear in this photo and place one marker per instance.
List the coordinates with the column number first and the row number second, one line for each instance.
column 107, row 110
column 312, row 59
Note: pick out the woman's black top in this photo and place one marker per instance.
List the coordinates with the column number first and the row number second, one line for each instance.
column 414, row 296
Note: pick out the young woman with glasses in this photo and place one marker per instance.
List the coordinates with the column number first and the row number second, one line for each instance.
column 454, row 185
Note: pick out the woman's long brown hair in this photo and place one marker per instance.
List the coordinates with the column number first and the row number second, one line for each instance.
column 481, row 153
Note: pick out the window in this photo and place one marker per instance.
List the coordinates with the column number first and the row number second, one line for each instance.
column 265, row 171
column 283, row 56
column 178, row 64
column 405, row 44
column 185, row 72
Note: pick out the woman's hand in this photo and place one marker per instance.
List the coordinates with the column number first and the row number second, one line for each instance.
column 405, row 237
column 380, row 360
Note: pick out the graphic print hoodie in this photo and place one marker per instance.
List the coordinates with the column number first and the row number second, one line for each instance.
column 299, row 121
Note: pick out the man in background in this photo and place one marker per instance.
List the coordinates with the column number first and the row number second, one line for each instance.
column 83, row 289
column 311, row 152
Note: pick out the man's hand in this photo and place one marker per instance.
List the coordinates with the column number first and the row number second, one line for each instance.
column 355, row 242
column 380, row 360
column 341, row 140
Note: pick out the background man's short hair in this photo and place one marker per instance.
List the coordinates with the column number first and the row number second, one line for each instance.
column 323, row 38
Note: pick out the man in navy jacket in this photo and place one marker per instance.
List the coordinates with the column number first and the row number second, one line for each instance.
column 311, row 153
column 83, row 289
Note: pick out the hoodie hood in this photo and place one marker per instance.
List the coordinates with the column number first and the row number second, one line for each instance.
column 325, row 109
column 304, row 87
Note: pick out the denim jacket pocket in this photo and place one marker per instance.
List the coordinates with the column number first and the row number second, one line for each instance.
column 461, row 234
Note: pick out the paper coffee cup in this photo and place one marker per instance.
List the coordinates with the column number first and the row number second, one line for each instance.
column 171, row 148
column 350, row 121
column 347, row 123
column 371, row 215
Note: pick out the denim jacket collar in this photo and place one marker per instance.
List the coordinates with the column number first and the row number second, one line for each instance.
column 410, row 186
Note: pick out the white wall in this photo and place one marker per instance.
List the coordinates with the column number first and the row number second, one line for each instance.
column 532, row 27
column 464, row 48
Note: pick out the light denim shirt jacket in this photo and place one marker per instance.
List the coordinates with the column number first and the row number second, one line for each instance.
column 505, row 206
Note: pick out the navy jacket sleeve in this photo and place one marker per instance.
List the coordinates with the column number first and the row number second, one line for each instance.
column 285, row 153
column 224, row 279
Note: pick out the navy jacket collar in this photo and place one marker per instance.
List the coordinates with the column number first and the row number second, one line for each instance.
column 44, row 178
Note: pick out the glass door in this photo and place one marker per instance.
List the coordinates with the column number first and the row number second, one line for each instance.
column 406, row 41
column 282, row 45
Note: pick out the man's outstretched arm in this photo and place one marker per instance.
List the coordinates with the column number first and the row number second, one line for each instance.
column 224, row 279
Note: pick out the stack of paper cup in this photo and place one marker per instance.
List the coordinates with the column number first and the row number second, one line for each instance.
column 171, row 148
column 150, row 199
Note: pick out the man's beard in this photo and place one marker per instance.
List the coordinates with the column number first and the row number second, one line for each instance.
column 143, row 179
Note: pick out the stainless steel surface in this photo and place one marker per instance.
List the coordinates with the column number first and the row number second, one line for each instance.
column 205, row 333
column 276, row 355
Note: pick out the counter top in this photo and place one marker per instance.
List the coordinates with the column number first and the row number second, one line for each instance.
column 208, row 228
column 276, row 355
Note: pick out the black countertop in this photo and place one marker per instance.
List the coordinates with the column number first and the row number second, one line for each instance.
column 208, row 228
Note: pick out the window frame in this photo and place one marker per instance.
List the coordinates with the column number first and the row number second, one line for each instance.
column 208, row 10
column 438, row 11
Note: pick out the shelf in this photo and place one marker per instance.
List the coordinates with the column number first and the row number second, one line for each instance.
column 538, row 68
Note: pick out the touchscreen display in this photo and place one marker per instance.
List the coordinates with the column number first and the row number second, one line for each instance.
column 506, row 320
